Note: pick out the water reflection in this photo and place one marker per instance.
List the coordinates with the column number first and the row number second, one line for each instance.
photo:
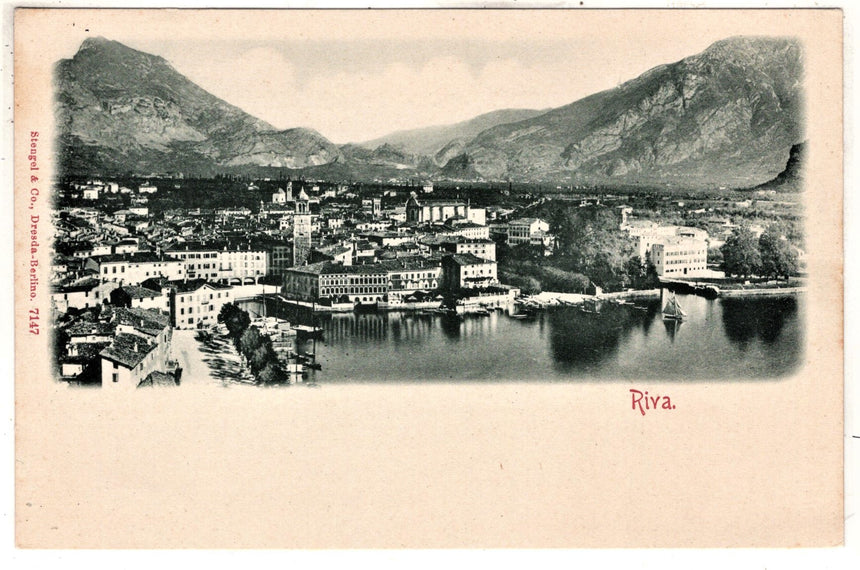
column 719, row 339
column 672, row 327
column 750, row 318
column 582, row 339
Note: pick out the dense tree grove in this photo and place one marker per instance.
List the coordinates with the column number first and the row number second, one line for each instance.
column 589, row 242
column 778, row 258
column 741, row 256
column 590, row 248
column 770, row 255
column 256, row 348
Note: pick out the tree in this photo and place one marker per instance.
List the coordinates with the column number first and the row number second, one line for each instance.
column 236, row 320
column 271, row 374
column 641, row 275
column 589, row 242
column 262, row 356
column 741, row 255
column 778, row 258
column 250, row 341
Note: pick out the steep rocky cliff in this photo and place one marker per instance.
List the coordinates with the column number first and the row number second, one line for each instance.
column 727, row 116
column 119, row 109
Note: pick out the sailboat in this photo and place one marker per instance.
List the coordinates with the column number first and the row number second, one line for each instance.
column 672, row 310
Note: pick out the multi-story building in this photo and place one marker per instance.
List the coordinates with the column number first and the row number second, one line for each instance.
column 647, row 233
column 387, row 281
column 141, row 346
column 196, row 303
column 372, row 206
column 531, row 231
column 81, row 296
column 466, row 271
column 429, row 211
column 483, row 248
column 411, row 274
column 467, row 230
column 360, row 283
column 239, row 262
column 134, row 268
column 680, row 257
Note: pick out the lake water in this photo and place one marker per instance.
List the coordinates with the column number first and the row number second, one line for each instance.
column 722, row 339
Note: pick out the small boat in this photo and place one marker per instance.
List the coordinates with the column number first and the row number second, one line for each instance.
column 672, row 310
column 304, row 331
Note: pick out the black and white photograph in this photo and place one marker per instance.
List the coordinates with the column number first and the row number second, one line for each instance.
column 338, row 219
column 376, row 211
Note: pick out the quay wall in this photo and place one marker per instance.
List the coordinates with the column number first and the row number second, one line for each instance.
column 636, row 294
column 774, row 292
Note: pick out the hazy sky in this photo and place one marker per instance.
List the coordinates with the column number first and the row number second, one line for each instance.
column 358, row 90
column 354, row 76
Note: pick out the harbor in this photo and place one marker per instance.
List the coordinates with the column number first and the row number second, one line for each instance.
column 561, row 341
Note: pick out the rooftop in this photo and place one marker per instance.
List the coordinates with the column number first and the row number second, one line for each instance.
column 189, row 285
column 469, row 259
column 148, row 321
column 136, row 257
column 127, row 350
column 157, row 379
column 136, row 292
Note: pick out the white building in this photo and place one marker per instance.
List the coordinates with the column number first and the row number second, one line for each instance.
column 147, row 189
column 196, row 303
column 222, row 262
column 532, row 231
column 134, row 268
column 648, row 233
column 680, row 257
column 83, row 296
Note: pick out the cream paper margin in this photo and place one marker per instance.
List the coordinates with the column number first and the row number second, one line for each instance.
column 426, row 466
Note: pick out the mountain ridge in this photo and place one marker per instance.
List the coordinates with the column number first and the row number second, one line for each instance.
column 682, row 122
column 728, row 116
column 130, row 110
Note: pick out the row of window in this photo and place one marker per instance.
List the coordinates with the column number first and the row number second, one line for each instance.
column 327, row 291
column 191, row 299
column 490, row 272
column 679, row 261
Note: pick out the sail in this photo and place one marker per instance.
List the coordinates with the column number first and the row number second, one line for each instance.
column 673, row 309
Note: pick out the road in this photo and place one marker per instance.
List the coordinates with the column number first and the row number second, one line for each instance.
column 211, row 362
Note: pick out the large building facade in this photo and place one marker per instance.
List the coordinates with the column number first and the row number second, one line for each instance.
column 134, row 268
column 237, row 263
column 434, row 211
column 680, row 257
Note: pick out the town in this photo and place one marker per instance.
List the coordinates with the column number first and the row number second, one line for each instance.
column 148, row 269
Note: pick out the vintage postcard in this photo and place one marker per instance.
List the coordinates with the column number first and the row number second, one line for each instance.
column 428, row 278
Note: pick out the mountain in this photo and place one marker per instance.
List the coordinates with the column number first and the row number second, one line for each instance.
column 728, row 116
column 792, row 177
column 430, row 140
column 121, row 110
column 461, row 167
